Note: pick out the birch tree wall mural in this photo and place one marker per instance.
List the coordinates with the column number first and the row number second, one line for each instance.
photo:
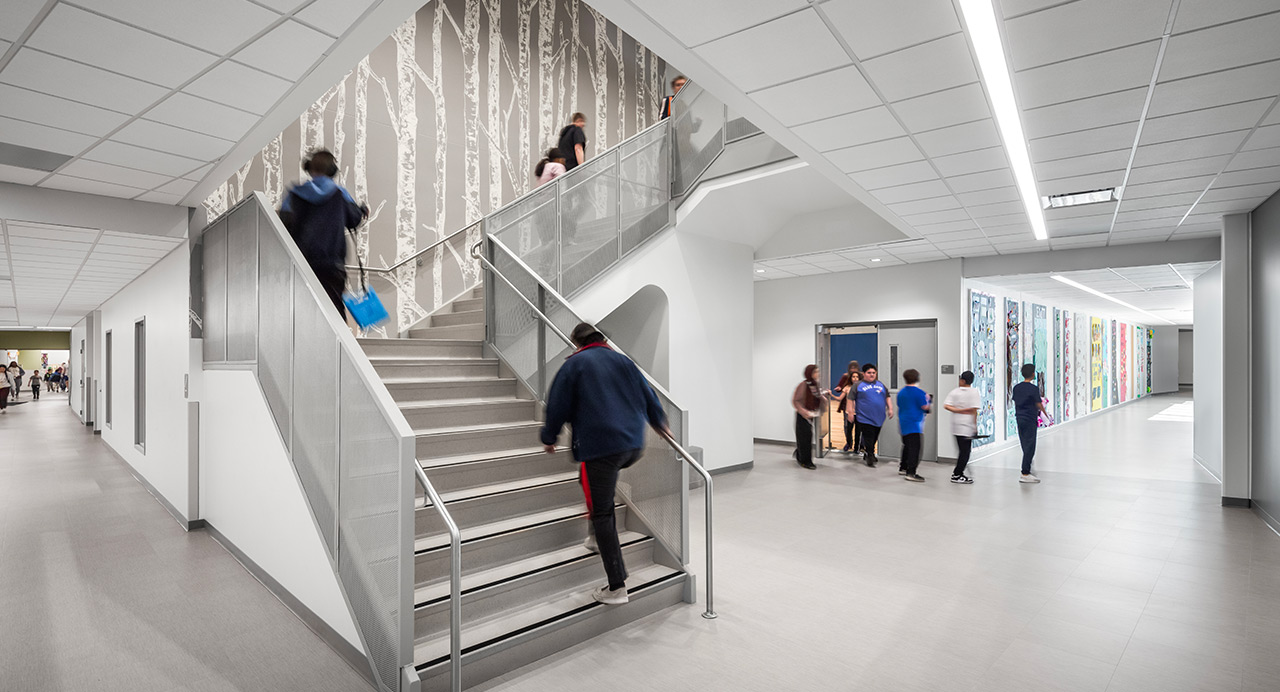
column 443, row 122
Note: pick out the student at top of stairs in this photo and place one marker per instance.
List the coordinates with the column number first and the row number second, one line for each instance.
column 605, row 398
column 317, row 213
column 550, row 167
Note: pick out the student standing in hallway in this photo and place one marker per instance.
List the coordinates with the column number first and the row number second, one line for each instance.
column 808, row 402
column 873, row 405
column 913, row 406
column 6, row 385
column 35, row 385
column 963, row 403
column 1027, row 406
column 604, row 397
column 847, row 392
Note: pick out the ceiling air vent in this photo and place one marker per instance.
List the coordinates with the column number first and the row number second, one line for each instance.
column 26, row 157
column 1075, row 199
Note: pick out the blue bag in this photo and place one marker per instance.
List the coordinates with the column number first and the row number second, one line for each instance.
column 365, row 308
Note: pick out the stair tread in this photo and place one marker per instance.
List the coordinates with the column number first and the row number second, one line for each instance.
column 472, row 401
column 507, row 486
column 429, row 650
column 449, row 460
column 470, row 533
column 529, row 424
column 416, row 360
column 438, row 380
column 426, row 342
column 534, row 563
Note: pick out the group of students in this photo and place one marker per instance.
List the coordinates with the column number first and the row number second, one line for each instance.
column 11, row 382
column 865, row 405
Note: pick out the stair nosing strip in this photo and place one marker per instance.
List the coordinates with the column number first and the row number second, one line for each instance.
column 503, row 492
column 476, row 539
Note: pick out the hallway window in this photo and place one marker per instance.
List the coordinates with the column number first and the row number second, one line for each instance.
column 140, row 384
column 107, row 353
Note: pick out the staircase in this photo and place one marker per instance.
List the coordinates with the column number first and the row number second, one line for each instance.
column 526, row 575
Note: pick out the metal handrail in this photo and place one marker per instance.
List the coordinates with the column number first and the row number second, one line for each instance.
column 455, row 580
column 416, row 255
column 680, row 451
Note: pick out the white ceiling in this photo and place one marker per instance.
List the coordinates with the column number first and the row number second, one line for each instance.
column 1180, row 106
column 51, row 276
column 1163, row 289
column 146, row 95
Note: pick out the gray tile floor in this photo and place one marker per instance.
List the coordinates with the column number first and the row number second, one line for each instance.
column 100, row 589
column 1121, row 572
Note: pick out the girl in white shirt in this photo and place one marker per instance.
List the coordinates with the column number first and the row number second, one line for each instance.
column 963, row 402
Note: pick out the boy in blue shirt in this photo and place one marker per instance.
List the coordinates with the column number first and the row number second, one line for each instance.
column 913, row 406
column 872, row 404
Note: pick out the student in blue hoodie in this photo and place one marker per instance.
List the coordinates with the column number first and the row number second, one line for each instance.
column 605, row 398
column 317, row 214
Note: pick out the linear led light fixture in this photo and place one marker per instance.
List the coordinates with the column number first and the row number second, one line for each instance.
column 980, row 17
column 1075, row 199
column 1100, row 294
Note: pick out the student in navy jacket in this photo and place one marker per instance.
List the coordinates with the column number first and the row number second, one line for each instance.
column 605, row 398
column 317, row 214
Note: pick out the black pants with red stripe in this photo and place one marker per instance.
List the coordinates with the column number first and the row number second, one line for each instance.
column 599, row 481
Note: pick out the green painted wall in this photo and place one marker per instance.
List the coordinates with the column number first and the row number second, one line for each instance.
column 36, row 340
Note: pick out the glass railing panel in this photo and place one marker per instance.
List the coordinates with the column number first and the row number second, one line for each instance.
column 214, row 311
column 697, row 133
column 589, row 221
column 315, row 392
column 644, row 187
column 737, row 127
column 657, row 486
column 274, row 329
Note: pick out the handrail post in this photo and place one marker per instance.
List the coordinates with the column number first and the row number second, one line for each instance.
column 542, row 345
column 455, row 580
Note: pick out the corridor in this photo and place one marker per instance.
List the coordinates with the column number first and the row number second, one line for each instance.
column 1121, row 572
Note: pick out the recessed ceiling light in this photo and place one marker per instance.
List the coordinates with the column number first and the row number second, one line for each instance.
column 875, row 259
column 1073, row 199
column 759, row 271
column 1100, row 294
column 980, row 18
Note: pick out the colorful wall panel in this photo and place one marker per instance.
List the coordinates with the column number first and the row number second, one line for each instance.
column 1112, row 357
column 1124, row 362
column 982, row 360
column 1095, row 365
column 1012, row 362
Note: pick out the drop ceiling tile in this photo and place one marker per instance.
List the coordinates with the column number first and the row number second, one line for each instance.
column 1167, row 187
column 130, row 156
column 987, row 211
column 93, row 187
column 241, row 87
column 61, row 77
column 938, row 217
column 1178, row 169
column 198, row 174
column 160, row 198
column 914, row 191
column 980, row 134
column 216, row 27
column 998, row 221
column 945, row 108
column 941, row 64
column 96, row 40
column 1238, row 206
column 177, row 187
column 1082, row 165
column 1221, row 194
column 851, row 129
column 1202, row 13
column 288, row 50
column 1204, row 91
column 1149, row 215
column 916, row 172
column 1260, row 158
column 1182, row 200
column 925, row 205
column 37, row 136
column 696, row 23
column 93, row 170
column 1264, row 138
column 1109, row 138
column 1084, row 114
column 981, row 181
column 1237, row 116
column 1197, row 147
column 947, row 230
column 188, row 111
column 843, row 90
column 972, row 161
column 876, row 155
column 1248, row 177
column 873, row 28
column 1012, row 229
column 1115, row 70
column 1031, row 38
column 22, row 176
column 23, row 104
column 154, row 135
column 1222, row 47
column 783, row 50
column 334, row 17
column 990, row 196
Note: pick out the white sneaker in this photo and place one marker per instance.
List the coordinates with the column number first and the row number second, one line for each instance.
column 1028, row 478
column 591, row 544
column 609, row 596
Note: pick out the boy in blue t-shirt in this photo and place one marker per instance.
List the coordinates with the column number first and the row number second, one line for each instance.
column 913, row 406
column 872, row 404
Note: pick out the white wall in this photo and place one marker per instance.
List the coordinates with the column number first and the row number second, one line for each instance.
column 788, row 310
column 250, row 493
column 708, row 287
column 1164, row 360
column 1208, row 362
column 74, row 390
column 160, row 296
column 1186, row 357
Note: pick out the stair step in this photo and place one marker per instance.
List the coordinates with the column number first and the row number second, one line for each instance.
column 476, row 439
column 440, row 539
column 451, row 333
column 531, row 498
column 451, row 477
column 455, row 412
column 507, row 486
column 435, row 368
column 468, row 304
column 492, row 552
column 450, row 319
column 523, row 636
column 497, row 600
column 416, row 390
column 421, row 348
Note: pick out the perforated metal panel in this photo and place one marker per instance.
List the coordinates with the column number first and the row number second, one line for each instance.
column 531, row 229
column 275, row 332
column 215, row 293
column 242, row 284
column 315, row 408
column 589, row 221
column 657, row 485
column 645, row 189
column 369, row 554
